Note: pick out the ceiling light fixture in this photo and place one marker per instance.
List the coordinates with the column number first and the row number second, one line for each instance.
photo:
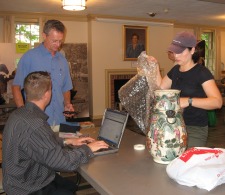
column 74, row 5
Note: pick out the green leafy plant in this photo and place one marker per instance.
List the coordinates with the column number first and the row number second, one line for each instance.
column 27, row 33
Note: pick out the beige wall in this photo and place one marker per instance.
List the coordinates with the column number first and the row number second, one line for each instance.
column 105, row 51
column 1, row 30
column 223, row 49
column 159, row 40
column 76, row 32
column 8, row 55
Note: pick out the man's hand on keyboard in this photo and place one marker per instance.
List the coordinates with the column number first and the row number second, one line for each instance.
column 96, row 145
column 79, row 141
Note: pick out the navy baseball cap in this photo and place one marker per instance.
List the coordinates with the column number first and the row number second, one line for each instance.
column 182, row 41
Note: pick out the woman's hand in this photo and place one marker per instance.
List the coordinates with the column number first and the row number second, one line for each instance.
column 152, row 59
column 184, row 102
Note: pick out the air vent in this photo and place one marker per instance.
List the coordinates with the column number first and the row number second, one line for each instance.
column 214, row 1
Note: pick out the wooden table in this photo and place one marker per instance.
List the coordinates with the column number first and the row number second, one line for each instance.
column 131, row 172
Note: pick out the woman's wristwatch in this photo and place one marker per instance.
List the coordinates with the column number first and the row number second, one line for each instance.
column 190, row 101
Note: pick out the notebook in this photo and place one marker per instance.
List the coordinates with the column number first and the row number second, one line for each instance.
column 111, row 130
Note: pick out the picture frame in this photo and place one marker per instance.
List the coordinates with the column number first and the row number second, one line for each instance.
column 134, row 35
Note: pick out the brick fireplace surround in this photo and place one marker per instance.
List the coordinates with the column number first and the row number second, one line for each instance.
column 115, row 74
column 110, row 76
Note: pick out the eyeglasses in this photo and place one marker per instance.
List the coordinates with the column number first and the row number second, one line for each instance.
column 53, row 41
column 56, row 42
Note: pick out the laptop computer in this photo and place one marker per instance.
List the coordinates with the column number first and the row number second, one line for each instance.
column 111, row 130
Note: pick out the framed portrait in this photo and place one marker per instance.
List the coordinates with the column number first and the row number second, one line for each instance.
column 134, row 41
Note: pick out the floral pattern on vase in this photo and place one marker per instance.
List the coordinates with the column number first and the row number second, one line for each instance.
column 167, row 137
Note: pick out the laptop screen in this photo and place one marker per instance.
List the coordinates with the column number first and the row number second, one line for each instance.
column 113, row 125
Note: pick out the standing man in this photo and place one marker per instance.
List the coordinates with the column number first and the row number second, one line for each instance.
column 32, row 153
column 46, row 57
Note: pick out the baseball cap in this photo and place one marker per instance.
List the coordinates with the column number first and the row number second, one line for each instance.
column 182, row 41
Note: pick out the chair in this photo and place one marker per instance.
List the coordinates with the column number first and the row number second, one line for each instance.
column 223, row 107
column 221, row 86
column 1, row 186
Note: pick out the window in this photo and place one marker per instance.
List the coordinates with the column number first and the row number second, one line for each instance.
column 208, row 36
column 27, row 33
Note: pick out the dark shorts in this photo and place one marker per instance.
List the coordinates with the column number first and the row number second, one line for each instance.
column 197, row 136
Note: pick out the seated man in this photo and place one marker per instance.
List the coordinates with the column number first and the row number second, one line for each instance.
column 32, row 153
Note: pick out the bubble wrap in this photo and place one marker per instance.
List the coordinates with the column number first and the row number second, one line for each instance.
column 137, row 95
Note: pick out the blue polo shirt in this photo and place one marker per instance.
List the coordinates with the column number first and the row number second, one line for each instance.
column 40, row 59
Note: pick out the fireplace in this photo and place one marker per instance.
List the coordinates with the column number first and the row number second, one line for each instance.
column 115, row 78
column 120, row 76
column 118, row 83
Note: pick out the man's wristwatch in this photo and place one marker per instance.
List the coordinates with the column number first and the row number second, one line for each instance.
column 190, row 101
column 64, row 142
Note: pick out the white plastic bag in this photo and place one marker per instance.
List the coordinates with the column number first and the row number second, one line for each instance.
column 199, row 166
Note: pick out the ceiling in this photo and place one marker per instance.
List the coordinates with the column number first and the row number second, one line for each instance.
column 205, row 12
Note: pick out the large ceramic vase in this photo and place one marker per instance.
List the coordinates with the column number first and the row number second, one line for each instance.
column 167, row 137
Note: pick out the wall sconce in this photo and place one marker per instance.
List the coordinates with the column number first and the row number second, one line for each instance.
column 74, row 5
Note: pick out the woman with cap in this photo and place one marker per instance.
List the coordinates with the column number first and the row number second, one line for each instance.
column 199, row 92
